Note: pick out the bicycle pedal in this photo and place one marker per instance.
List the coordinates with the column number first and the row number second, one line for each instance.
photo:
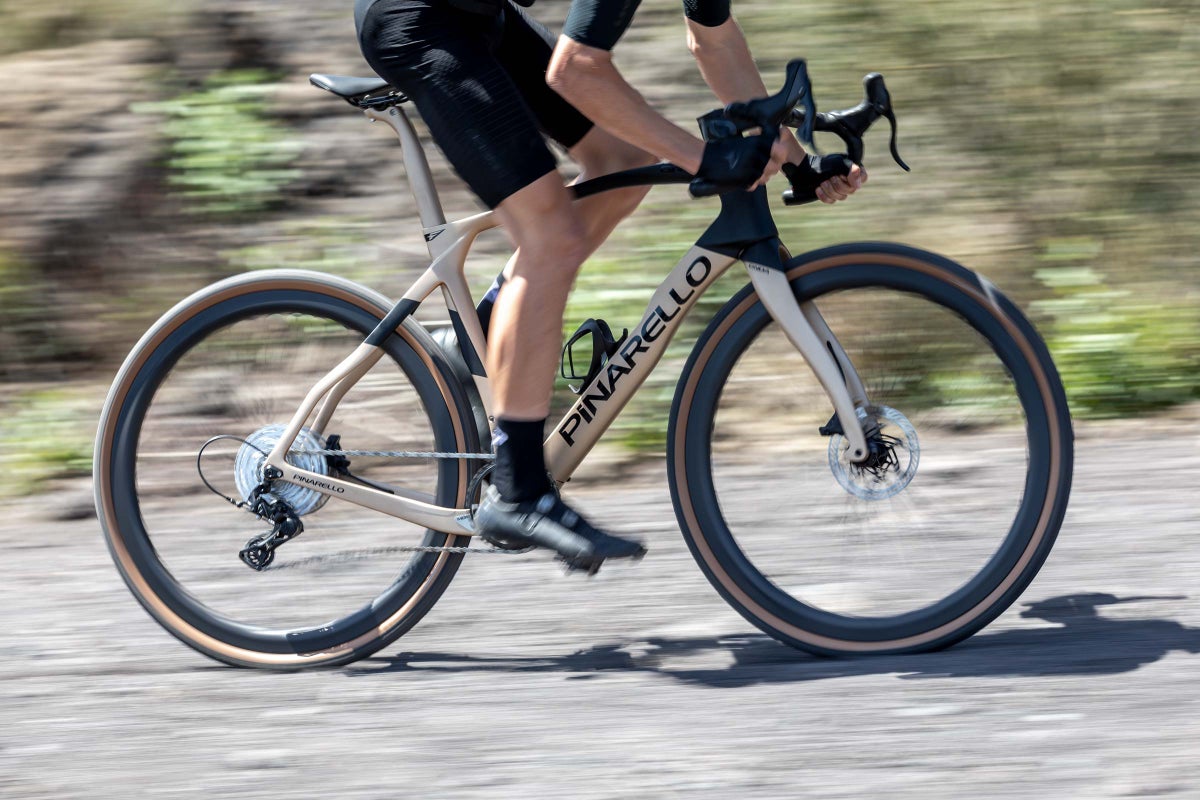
column 590, row 566
column 500, row 542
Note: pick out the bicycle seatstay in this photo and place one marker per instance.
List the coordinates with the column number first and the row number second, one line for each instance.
column 447, row 273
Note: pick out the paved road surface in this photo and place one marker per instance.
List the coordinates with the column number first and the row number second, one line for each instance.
column 639, row 683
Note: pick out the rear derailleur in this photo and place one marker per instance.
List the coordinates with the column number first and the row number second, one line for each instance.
column 259, row 552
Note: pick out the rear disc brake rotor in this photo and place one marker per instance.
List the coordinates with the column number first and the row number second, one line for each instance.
column 251, row 459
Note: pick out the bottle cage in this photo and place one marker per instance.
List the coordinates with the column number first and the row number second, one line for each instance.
column 603, row 346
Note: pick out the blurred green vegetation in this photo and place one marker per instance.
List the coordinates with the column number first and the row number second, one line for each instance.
column 1053, row 147
column 47, row 434
column 27, row 336
column 226, row 155
column 1118, row 353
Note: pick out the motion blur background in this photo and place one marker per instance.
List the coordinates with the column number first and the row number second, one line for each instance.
column 149, row 148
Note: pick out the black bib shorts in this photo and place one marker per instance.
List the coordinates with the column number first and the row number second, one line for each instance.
column 479, row 82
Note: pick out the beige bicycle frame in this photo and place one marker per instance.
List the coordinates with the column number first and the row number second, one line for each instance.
column 602, row 400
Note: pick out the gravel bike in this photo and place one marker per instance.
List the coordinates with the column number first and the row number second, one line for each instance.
column 869, row 449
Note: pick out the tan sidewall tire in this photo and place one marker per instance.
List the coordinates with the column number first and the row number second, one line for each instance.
column 134, row 570
column 709, row 539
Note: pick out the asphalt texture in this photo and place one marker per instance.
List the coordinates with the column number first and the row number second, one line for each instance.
column 641, row 682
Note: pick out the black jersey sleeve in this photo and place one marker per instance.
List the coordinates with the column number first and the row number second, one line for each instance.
column 600, row 23
column 709, row 13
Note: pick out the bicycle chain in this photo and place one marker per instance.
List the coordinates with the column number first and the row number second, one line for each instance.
column 393, row 454
column 354, row 555
column 372, row 552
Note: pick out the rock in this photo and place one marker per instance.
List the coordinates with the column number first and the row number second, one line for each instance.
column 72, row 148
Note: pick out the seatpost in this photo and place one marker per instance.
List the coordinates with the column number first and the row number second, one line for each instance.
column 420, row 179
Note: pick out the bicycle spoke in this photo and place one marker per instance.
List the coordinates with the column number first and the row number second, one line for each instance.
column 241, row 378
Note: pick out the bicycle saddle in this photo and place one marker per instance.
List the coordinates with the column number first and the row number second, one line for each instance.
column 347, row 87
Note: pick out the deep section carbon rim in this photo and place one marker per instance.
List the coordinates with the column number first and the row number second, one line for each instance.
column 240, row 366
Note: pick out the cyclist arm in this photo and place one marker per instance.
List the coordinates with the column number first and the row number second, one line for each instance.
column 588, row 79
column 582, row 71
column 728, row 68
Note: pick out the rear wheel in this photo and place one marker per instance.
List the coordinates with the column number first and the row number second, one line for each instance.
column 235, row 360
column 945, row 529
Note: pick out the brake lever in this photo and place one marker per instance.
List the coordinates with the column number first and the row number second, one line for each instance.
column 879, row 97
column 766, row 113
column 851, row 124
column 804, row 131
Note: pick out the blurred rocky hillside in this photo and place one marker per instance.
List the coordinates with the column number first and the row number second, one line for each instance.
column 151, row 147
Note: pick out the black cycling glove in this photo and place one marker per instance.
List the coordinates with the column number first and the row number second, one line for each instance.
column 737, row 162
column 810, row 173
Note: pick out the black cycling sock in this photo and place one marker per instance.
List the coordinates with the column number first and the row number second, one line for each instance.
column 520, row 472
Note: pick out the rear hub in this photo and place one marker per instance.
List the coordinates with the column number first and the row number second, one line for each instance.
column 250, row 462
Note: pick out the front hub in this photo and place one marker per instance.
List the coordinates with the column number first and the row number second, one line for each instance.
column 892, row 462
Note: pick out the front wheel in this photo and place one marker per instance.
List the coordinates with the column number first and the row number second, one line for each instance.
column 935, row 538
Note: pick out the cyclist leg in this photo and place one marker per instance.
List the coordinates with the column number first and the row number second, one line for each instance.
column 524, row 50
column 529, row 326
column 527, row 320
column 445, row 61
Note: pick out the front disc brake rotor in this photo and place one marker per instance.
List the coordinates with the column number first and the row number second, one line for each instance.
column 252, row 456
column 895, row 453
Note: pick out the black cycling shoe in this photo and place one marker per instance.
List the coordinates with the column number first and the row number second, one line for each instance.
column 549, row 522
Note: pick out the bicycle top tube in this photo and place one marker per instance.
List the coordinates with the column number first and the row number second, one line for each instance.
column 654, row 175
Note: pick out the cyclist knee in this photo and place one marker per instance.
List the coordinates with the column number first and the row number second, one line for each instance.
column 560, row 245
column 569, row 249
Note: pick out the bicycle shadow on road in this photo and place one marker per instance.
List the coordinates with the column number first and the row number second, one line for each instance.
column 1083, row 643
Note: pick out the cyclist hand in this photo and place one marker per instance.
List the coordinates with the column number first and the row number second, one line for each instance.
column 738, row 161
column 839, row 188
column 780, row 155
column 826, row 178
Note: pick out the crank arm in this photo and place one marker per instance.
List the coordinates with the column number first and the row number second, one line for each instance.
column 775, row 292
